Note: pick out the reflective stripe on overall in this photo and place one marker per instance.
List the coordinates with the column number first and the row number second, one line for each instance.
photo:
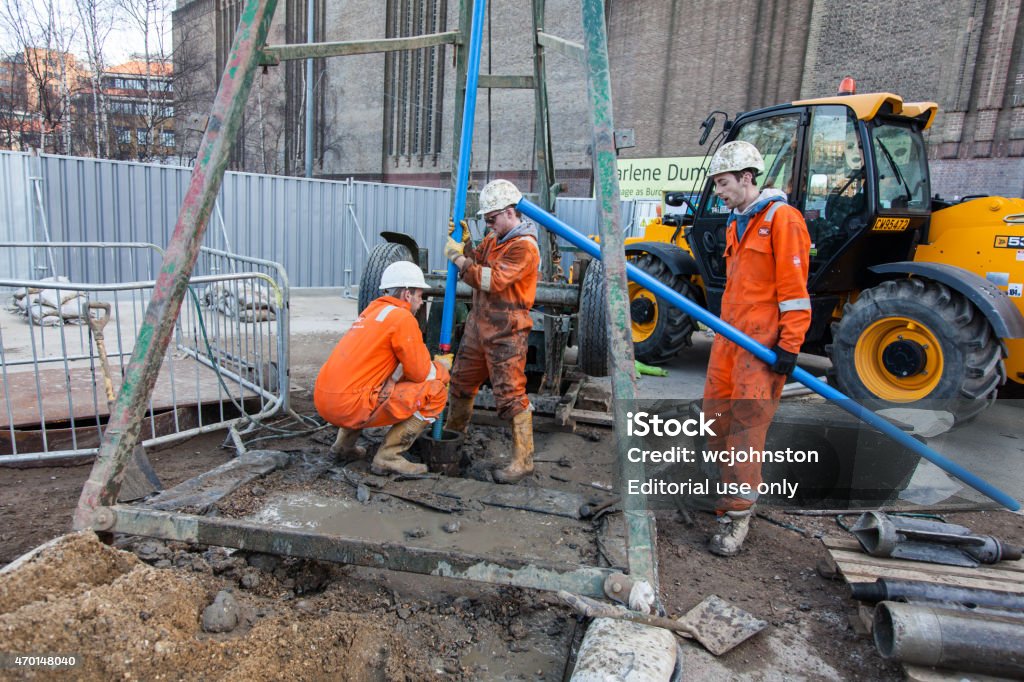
column 766, row 298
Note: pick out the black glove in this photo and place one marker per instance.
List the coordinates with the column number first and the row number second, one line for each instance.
column 785, row 362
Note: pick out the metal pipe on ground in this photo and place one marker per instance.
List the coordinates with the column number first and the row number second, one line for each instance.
column 673, row 297
column 944, row 638
column 893, row 589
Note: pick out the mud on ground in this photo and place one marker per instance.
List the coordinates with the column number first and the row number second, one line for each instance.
column 138, row 613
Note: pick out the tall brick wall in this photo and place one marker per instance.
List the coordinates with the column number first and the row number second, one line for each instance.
column 966, row 55
column 674, row 61
column 953, row 178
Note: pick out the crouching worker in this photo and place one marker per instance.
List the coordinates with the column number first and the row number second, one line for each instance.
column 380, row 374
column 502, row 271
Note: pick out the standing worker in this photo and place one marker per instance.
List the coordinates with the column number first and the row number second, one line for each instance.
column 503, row 272
column 767, row 252
column 380, row 374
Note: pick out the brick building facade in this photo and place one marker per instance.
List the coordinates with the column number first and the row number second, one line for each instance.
column 672, row 62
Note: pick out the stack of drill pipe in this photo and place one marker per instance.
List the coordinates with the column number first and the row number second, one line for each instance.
column 928, row 635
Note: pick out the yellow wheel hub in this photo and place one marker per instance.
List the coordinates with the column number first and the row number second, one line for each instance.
column 899, row 359
column 643, row 310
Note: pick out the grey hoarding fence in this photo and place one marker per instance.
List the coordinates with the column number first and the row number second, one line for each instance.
column 320, row 231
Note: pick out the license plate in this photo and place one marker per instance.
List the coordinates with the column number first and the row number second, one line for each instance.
column 890, row 224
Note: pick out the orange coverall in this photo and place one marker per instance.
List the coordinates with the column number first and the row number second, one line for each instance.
column 766, row 298
column 494, row 344
column 355, row 388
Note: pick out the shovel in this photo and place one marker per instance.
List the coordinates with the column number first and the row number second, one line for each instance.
column 139, row 479
column 715, row 623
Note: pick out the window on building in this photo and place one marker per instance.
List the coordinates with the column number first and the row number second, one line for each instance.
column 142, row 135
column 124, row 135
column 414, row 81
column 167, row 138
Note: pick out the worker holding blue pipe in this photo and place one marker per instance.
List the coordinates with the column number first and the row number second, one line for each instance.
column 503, row 272
column 767, row 255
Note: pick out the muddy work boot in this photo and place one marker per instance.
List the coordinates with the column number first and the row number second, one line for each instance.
column 399, row 439
column 345, row 447
column 727, row 542
column 522, row 453
column 460, row 411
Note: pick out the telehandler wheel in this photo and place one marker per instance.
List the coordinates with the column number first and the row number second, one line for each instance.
column 660, row 330
column 380, row 257
column 592, row 332
column 916, row 341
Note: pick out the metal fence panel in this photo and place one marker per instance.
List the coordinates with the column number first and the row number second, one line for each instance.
column 63, row 343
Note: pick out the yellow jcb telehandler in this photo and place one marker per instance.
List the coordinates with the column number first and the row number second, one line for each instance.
column 915, row 299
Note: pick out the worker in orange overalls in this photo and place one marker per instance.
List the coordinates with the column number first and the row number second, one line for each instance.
column 380, row 373
column 503, row 272
column 767, row 253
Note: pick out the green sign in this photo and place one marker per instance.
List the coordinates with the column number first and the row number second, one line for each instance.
column 648, row 178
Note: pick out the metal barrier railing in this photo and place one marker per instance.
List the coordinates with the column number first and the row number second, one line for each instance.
column 64, row 345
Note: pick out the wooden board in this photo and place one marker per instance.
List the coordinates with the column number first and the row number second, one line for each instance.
column 857, row 567
column 848, row 559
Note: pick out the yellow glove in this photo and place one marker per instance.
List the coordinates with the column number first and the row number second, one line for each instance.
column 465, row 229
column 453, row 250
column 445, row 360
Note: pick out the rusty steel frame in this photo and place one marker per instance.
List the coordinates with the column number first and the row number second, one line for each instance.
column 125, row 423
column 96, row 508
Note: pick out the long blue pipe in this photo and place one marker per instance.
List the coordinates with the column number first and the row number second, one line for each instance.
column 476, row 40
column 539, row 215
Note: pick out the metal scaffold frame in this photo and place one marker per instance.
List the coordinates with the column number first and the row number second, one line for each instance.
column 97, row 508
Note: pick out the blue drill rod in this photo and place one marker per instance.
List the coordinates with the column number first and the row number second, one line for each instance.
column 542, row 217
column 476, row 39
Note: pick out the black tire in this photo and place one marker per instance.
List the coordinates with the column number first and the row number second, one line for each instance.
column 592, row 330
column 380, row 257
column 671, row 328
column 889, row 331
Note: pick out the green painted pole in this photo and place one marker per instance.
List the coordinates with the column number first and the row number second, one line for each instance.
column 641, row 538
column 122, row 431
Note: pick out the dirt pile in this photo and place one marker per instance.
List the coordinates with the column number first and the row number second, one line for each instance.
column 124, row 619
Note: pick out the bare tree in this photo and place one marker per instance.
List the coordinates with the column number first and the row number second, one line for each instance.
column 45, row 35
column 97, row 20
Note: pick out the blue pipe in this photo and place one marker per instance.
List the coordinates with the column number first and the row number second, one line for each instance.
column 542, row 217
column 476, row 39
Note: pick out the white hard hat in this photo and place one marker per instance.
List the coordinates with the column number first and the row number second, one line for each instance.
column 402, row 275
column 497, row 195
column 736, row 156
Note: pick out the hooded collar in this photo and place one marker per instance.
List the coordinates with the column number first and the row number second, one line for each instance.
column 742, row 218
column 523, row 229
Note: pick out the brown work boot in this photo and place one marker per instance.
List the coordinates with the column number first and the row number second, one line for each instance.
column 460, row 411
column 345, row 447
column 399, row 439
column 728, row 541
column 522, row 453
